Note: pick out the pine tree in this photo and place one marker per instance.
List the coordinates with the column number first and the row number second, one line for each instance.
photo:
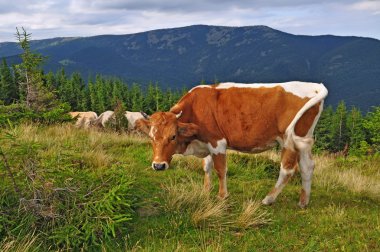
column 355, row 130
column 340, row 135
column 50, row 80
column 372, row 125
column 100, row 94
column 7, row 87
column 38, row 96
column 149, row 102
column 136, row 98
column 323, row 133
column 117, row 94
column 17, row 80
column 77, row 87
column 93, row 97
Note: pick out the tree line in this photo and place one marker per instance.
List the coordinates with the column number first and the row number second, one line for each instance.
column 26, row 92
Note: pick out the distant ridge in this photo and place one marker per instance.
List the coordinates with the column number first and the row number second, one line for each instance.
column 177, row 57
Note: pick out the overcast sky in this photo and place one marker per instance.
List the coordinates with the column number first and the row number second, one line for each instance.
column 65, row 18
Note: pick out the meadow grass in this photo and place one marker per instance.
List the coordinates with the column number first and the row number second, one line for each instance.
column 97, row 189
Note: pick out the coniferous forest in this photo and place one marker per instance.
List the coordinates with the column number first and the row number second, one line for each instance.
column 27, row 93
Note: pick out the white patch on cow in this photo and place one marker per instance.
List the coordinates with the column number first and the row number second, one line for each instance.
column 197, row 148
column 152, row 132
column 199, row 86
column 306, row 169
column 207, row 165
column 284, row 173
column 221, row 147
column 311, row 130
column 298, row 88
column 281, row 182
column 289, row 133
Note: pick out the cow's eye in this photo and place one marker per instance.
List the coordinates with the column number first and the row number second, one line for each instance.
column 173, row 138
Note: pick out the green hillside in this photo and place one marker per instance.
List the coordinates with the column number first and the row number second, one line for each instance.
column 348, row 66
column 94, row 190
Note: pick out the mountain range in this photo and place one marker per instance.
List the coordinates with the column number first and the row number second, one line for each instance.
column 187, row 56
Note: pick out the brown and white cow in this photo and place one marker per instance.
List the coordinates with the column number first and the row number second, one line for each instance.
column 210, row 119
column 84, row 119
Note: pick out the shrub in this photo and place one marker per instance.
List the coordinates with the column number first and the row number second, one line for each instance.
column 18, row 113
column 70, row 206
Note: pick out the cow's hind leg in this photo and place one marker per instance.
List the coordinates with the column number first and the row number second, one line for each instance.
column 289, row 160
column 306, row 164
column 220, row 166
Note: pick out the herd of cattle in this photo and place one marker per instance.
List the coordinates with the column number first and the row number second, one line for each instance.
column 251, row 118
column 91, row 119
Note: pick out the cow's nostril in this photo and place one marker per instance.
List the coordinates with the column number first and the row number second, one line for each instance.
column 159, row 166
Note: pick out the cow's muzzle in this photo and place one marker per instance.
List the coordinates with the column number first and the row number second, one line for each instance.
column 160, row 166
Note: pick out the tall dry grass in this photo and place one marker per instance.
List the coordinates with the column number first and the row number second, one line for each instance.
column 252, row 215
column 330, row 175
column 191, row 197
column 205, row 210
column 28, row 243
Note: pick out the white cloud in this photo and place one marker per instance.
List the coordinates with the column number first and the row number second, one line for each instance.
column 57, row 18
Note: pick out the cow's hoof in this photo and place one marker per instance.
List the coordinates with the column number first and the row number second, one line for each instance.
column 268, row 200
column 302, row 205
column 223, row 197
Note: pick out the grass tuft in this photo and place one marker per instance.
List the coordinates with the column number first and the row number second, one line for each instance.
column 209, row 212
column 252, row 215
column 26, row 243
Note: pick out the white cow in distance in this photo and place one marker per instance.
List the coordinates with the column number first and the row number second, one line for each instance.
column 103, row 119
column 84, row 119
column 106, row 116
column 132, row 117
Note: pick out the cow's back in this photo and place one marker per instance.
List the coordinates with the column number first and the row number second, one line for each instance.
column 247, row 117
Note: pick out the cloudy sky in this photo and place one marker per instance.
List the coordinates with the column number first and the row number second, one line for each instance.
column 63, row 18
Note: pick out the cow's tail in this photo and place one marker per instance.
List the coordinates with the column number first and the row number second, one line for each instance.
column 293, row 141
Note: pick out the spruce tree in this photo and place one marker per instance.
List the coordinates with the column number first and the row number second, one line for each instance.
column 136, row 98
column 372, row 126
column 149, row 103
column 323, row 133
column 340, row 135
column 355, row 130
column 37, row 95
column 7, row 86
column 100, row 94
column 93, row 97
column 77, row 87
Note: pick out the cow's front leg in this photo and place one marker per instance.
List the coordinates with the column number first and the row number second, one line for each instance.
column 221, row 169
column 207, row 164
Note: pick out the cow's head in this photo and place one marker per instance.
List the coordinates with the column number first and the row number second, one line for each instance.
column 168, row 135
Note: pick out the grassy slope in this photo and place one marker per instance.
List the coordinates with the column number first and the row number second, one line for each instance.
column 343, row 213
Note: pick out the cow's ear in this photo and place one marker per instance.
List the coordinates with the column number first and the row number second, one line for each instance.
column 187, row 129
column 143, row 125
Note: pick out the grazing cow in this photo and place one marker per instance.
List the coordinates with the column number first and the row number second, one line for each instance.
column 106, row 116
column 84, row 119
column 208, row 120
column 132, row 117
column 103, row 119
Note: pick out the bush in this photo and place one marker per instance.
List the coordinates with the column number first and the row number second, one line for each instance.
column 68, row 202
column 18, row 113
column 15, row 113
